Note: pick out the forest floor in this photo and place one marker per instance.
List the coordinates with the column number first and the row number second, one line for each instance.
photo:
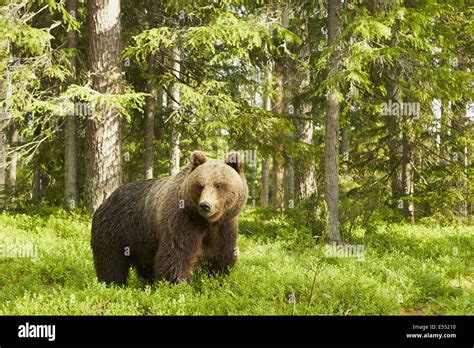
column 422, row 269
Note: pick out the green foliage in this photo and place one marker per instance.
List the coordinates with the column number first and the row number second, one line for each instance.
column 223, row 44
column 126, row 101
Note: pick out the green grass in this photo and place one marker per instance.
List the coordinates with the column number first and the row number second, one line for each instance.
column 420, row 269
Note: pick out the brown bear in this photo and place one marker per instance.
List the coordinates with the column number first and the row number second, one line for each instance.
column 165, row 227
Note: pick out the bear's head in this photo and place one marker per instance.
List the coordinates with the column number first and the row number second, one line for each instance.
column 215, row 189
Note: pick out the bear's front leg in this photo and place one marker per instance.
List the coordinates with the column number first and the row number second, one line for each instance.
column 220, row 248
column 176, row 255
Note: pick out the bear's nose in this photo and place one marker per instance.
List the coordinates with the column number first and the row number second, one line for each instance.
column 205, row 207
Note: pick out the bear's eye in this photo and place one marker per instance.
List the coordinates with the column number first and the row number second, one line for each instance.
column 198, row 187
column 218, row 186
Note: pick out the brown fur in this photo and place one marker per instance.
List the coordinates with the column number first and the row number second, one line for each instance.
column 160, row 228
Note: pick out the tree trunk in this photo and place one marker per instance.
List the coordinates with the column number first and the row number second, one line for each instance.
column 253, row 187
column 14, row 139
column 162, row 109
column 36, row 185
column 331, row 147
column 278, row 170
column 174, row 96
column 13, row 159
column 443, row 133
column 279, row 107
column 305, row 177
column 150, row 111
column 393, row 141
column 289, row 183
column 3, row 118
column 461, row 142
column 345, row 148
column 265, row 176
column 408, row 184
column 278, row 174
column 304, row 162
column 104, row 171
column 70, row 126
column 461, row 182
column 267, row 104
column 305, row 170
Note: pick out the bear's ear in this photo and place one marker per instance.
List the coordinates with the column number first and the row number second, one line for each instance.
column 235, row 161
column 197, row 158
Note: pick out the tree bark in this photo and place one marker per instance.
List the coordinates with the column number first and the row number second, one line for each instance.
column 408, row 184
column 150, row 111
column 36, row 184
column 278, row 174
column 279, row 107
column 70, row 126
column 305, row 170
column 289, row 183
column 13, row 159
column 3, row 118
column 161, row 112
column 174, row 96
column 253, row 187
column 267, row 104
column 304, row 163
column 345, row 141
column 462, row 141
column 461, row 181
column 104, row 171
column 278, row 170
column 305, row 173
column 393, row 140
column 331, row 148
column 265, row 181
column 443, row 133
column 13, row 140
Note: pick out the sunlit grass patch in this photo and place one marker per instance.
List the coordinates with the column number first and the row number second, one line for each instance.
column 405, row 269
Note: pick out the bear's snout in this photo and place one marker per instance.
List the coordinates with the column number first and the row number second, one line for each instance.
column 209, row 203
column 205, row 207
